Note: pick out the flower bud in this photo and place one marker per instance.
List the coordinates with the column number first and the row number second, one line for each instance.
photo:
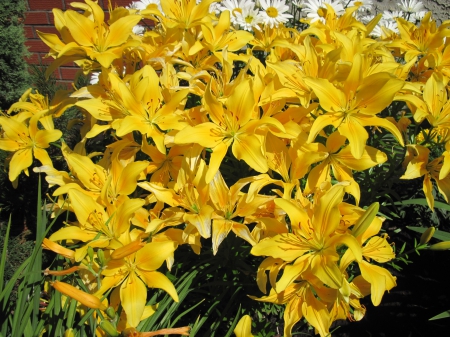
column 444, row 245
column 109, row 328
column 128, row 249
column 111, row 312
column 84, row 298
column 427, row 235
column 90, row 252
column 101, row 258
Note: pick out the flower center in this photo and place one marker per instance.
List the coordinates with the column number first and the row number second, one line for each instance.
column 249, row 19
column 272, row 12
column 322, row 12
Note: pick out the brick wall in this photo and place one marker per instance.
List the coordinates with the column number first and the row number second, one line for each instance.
column 39, row 16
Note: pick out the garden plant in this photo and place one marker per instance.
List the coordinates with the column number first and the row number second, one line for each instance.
column 257, row 148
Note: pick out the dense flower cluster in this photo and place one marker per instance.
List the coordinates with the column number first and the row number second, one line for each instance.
column 194, row 89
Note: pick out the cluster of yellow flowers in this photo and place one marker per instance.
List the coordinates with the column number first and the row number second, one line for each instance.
column 299, row 120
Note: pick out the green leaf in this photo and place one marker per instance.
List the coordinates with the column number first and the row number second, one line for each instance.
column 440, row 235
column 444, row 314
column 423, row 202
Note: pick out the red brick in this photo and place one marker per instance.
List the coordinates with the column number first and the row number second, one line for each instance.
column 45, row 4
column 46, row 60
column 33, row 59
column 46, row 29
column 103, row 4
column 36, row 18
column 36, row 46
column 68, row 73
column 67, row 84
column 29, row 33
column 120, row 3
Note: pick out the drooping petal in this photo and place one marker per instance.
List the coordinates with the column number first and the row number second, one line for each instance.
column 154, row 279
column 380, row 280
column 133, row 294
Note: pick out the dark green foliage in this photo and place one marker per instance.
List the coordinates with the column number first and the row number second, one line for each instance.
column 14, row 77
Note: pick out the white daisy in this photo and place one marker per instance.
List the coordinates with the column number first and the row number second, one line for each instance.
column 366, row 18
column 391, row 16
column 273, row 12
column 411, row 6
column 250, row 18
column 314, row 9
column 389, row 24
column 364, row 5
column 418, row 16
column 139, row 30
column 142, row 4
column 299, row 3
column 235, row 6
column 94, row 78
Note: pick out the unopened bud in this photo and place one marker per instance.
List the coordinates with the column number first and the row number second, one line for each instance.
column 90, row 252
column 111, row 312
column 101, row 258
column 427, row 235
column 84, row 298
column 109, row 328
column 126, row 250
column 444, row 245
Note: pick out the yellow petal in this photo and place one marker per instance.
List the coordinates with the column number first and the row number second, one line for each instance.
column 248, row 148
column 133, row 294
column 284, row 246
column 154, row 279
column 153, row 255
column 120, row 30
column 244, row 327
column 21, row 160
column 380, row 280
column 81, row 28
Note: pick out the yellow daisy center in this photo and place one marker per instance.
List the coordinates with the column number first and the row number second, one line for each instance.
column 272, row 12
column 249, row 19
column 322, row 12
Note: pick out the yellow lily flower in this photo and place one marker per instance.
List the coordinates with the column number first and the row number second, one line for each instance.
column 416, row 41
column 313, row 241
column 104, row 185
column 183, row 14
column 89, row 37
column 233, row 127
column 420, row 166
column 134, row 273
column 229, row 203
column 302, row 301
column 189, row 192
column 97, row 227
column 355, row 105
column 341, row 162
column 26, row 141
column 219, row 36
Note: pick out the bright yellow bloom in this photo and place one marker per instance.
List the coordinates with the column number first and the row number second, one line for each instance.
column 233, row 127
column 420, row 166
column 355, row 105
column 87, row 37
column 312, row 244
column 26, row 141
column 135, row 273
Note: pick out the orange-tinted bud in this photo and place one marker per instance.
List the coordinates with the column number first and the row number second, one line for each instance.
column 126, row 250
column 84, row 298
